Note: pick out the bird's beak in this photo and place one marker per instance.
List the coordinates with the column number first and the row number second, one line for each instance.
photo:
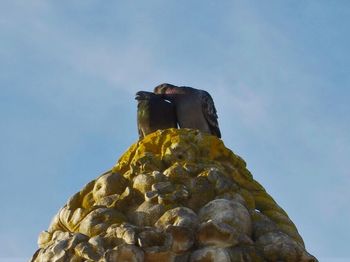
column 138, row 96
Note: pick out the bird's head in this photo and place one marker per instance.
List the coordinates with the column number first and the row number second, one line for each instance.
column 143, row 95
column 165, row 89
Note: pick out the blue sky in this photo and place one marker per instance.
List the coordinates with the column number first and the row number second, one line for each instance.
column 278, row 72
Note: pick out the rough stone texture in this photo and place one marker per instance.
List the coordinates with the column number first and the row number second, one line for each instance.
column 176, row 195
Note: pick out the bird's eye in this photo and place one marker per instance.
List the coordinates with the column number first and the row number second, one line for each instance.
column 180, row 156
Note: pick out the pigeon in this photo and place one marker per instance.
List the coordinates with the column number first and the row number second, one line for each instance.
column 194, row 107
column 153, row 113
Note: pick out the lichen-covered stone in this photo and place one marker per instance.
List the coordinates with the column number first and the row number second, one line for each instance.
column 180, row 216
column 227, row 212
column 182, row 238
column 210, row 254
column 218, row 234
column 277, row 246
column 176, row 195
column 127, row 253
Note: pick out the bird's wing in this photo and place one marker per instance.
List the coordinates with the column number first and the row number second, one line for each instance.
column 143, row 118
column 209, row 112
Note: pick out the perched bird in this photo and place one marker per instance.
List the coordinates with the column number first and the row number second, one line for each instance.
column 194, row 107
column 153, row 113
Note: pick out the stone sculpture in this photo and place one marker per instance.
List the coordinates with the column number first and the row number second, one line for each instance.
column 176, row 195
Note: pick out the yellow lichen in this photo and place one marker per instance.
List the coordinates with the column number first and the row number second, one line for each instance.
column 175, row 193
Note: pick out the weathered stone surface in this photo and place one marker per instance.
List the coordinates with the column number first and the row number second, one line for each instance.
column 180, row 216
column 127, row 253
column 277, row 246
column 99, row 220
column 176, row 195
column 217, row 234
column 227, row 212
column 183, row 238
column 210, row 254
